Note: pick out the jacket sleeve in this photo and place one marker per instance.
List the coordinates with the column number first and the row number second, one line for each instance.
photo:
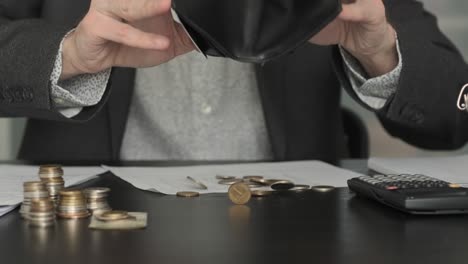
column 28, row 49
column 423, row 111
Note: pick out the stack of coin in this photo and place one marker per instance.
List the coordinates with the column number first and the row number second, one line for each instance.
column 32, row 190
column 52, row 176
column 42, row 213
column 72, row 204
column 97, row 199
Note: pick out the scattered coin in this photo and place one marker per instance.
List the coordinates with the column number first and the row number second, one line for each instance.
column 198, row 183
column 300, row 188
column 225, row 177
column 230, row 181
column 188, row 194
column 261, row 193
column 282, row 185
column 251, row 177
column 113, row 216
column 239, row 193
column 264, row 182
column 322, row 188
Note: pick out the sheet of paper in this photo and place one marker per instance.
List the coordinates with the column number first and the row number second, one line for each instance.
column 452, row 169
column 170, row 180
column 13, row 176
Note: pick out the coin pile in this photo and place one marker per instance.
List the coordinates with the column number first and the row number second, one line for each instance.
column 96, row 199
column 32, row 190
column 52, row 176
column 72, row 204
column 42, row 213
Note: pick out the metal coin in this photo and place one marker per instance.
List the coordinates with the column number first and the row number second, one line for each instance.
column 225, row 177
column 322, row 188
column 188, row 194
column 113, row 215
column 198, row 183
column 300, row 188
column 229, row 182
column 251, row 177
column 239, row 193
column 282, row 185
column 264, row 182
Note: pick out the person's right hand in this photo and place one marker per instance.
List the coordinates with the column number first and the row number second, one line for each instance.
column 123, row 33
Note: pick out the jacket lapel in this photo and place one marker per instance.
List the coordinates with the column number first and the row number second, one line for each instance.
column 118, row 106
column 271, row 83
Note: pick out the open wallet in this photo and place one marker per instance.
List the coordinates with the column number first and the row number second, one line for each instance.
column 254, row 31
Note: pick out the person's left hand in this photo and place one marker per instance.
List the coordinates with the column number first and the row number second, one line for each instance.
column 363, row 30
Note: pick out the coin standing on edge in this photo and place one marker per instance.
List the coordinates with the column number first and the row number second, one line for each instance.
column 239, row 193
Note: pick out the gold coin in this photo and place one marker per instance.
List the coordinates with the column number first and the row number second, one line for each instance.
column 112, row 215
column 71, row 193
column 322, row 188
column 188, row 194
column 239, row 193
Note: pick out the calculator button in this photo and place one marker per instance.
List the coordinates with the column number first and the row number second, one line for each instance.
column 391, row 188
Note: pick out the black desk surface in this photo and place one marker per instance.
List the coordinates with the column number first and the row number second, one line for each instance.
column 311, row 227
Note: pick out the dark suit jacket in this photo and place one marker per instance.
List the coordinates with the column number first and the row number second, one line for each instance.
column 300, row 92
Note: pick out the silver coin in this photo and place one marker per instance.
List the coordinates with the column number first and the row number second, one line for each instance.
column 322, row 188
column 225, row 177
column 197, row 183
column 300, row 188
column 229, row 182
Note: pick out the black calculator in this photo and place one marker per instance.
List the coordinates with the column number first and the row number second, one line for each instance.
column 413, row 193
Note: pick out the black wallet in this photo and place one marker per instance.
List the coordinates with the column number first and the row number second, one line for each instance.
column 254, row 30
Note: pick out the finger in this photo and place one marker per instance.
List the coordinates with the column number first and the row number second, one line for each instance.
column 138, row 9
column 116, row 31
column 353, row 12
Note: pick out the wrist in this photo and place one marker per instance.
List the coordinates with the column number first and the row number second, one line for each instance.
column 384, row 59
column 69, row 68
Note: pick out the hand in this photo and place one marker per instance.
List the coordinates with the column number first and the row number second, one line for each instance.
column 363, row 30
column 124, row 33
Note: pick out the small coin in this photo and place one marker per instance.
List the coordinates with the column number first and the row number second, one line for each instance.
column 225, row 177
column 264, row 182
column 239, row 193
column 282, row 185
column 188, row 194
column 300, row 188
column 251, row 177
column 198, row 183
column 322, row 188
column 113, row 215
column 261, row 193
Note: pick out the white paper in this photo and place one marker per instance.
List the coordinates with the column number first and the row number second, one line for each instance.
column 451, row 169
column 170, row 180
column 13, row 176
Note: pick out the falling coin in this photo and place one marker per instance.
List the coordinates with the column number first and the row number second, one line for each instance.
column 322, row 188
column 282, row 185
column 239, row 193
column 198, row 183
column 225, row 177
column 188, row 194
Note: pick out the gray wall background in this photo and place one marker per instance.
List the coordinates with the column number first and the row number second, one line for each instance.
column 453, row 20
